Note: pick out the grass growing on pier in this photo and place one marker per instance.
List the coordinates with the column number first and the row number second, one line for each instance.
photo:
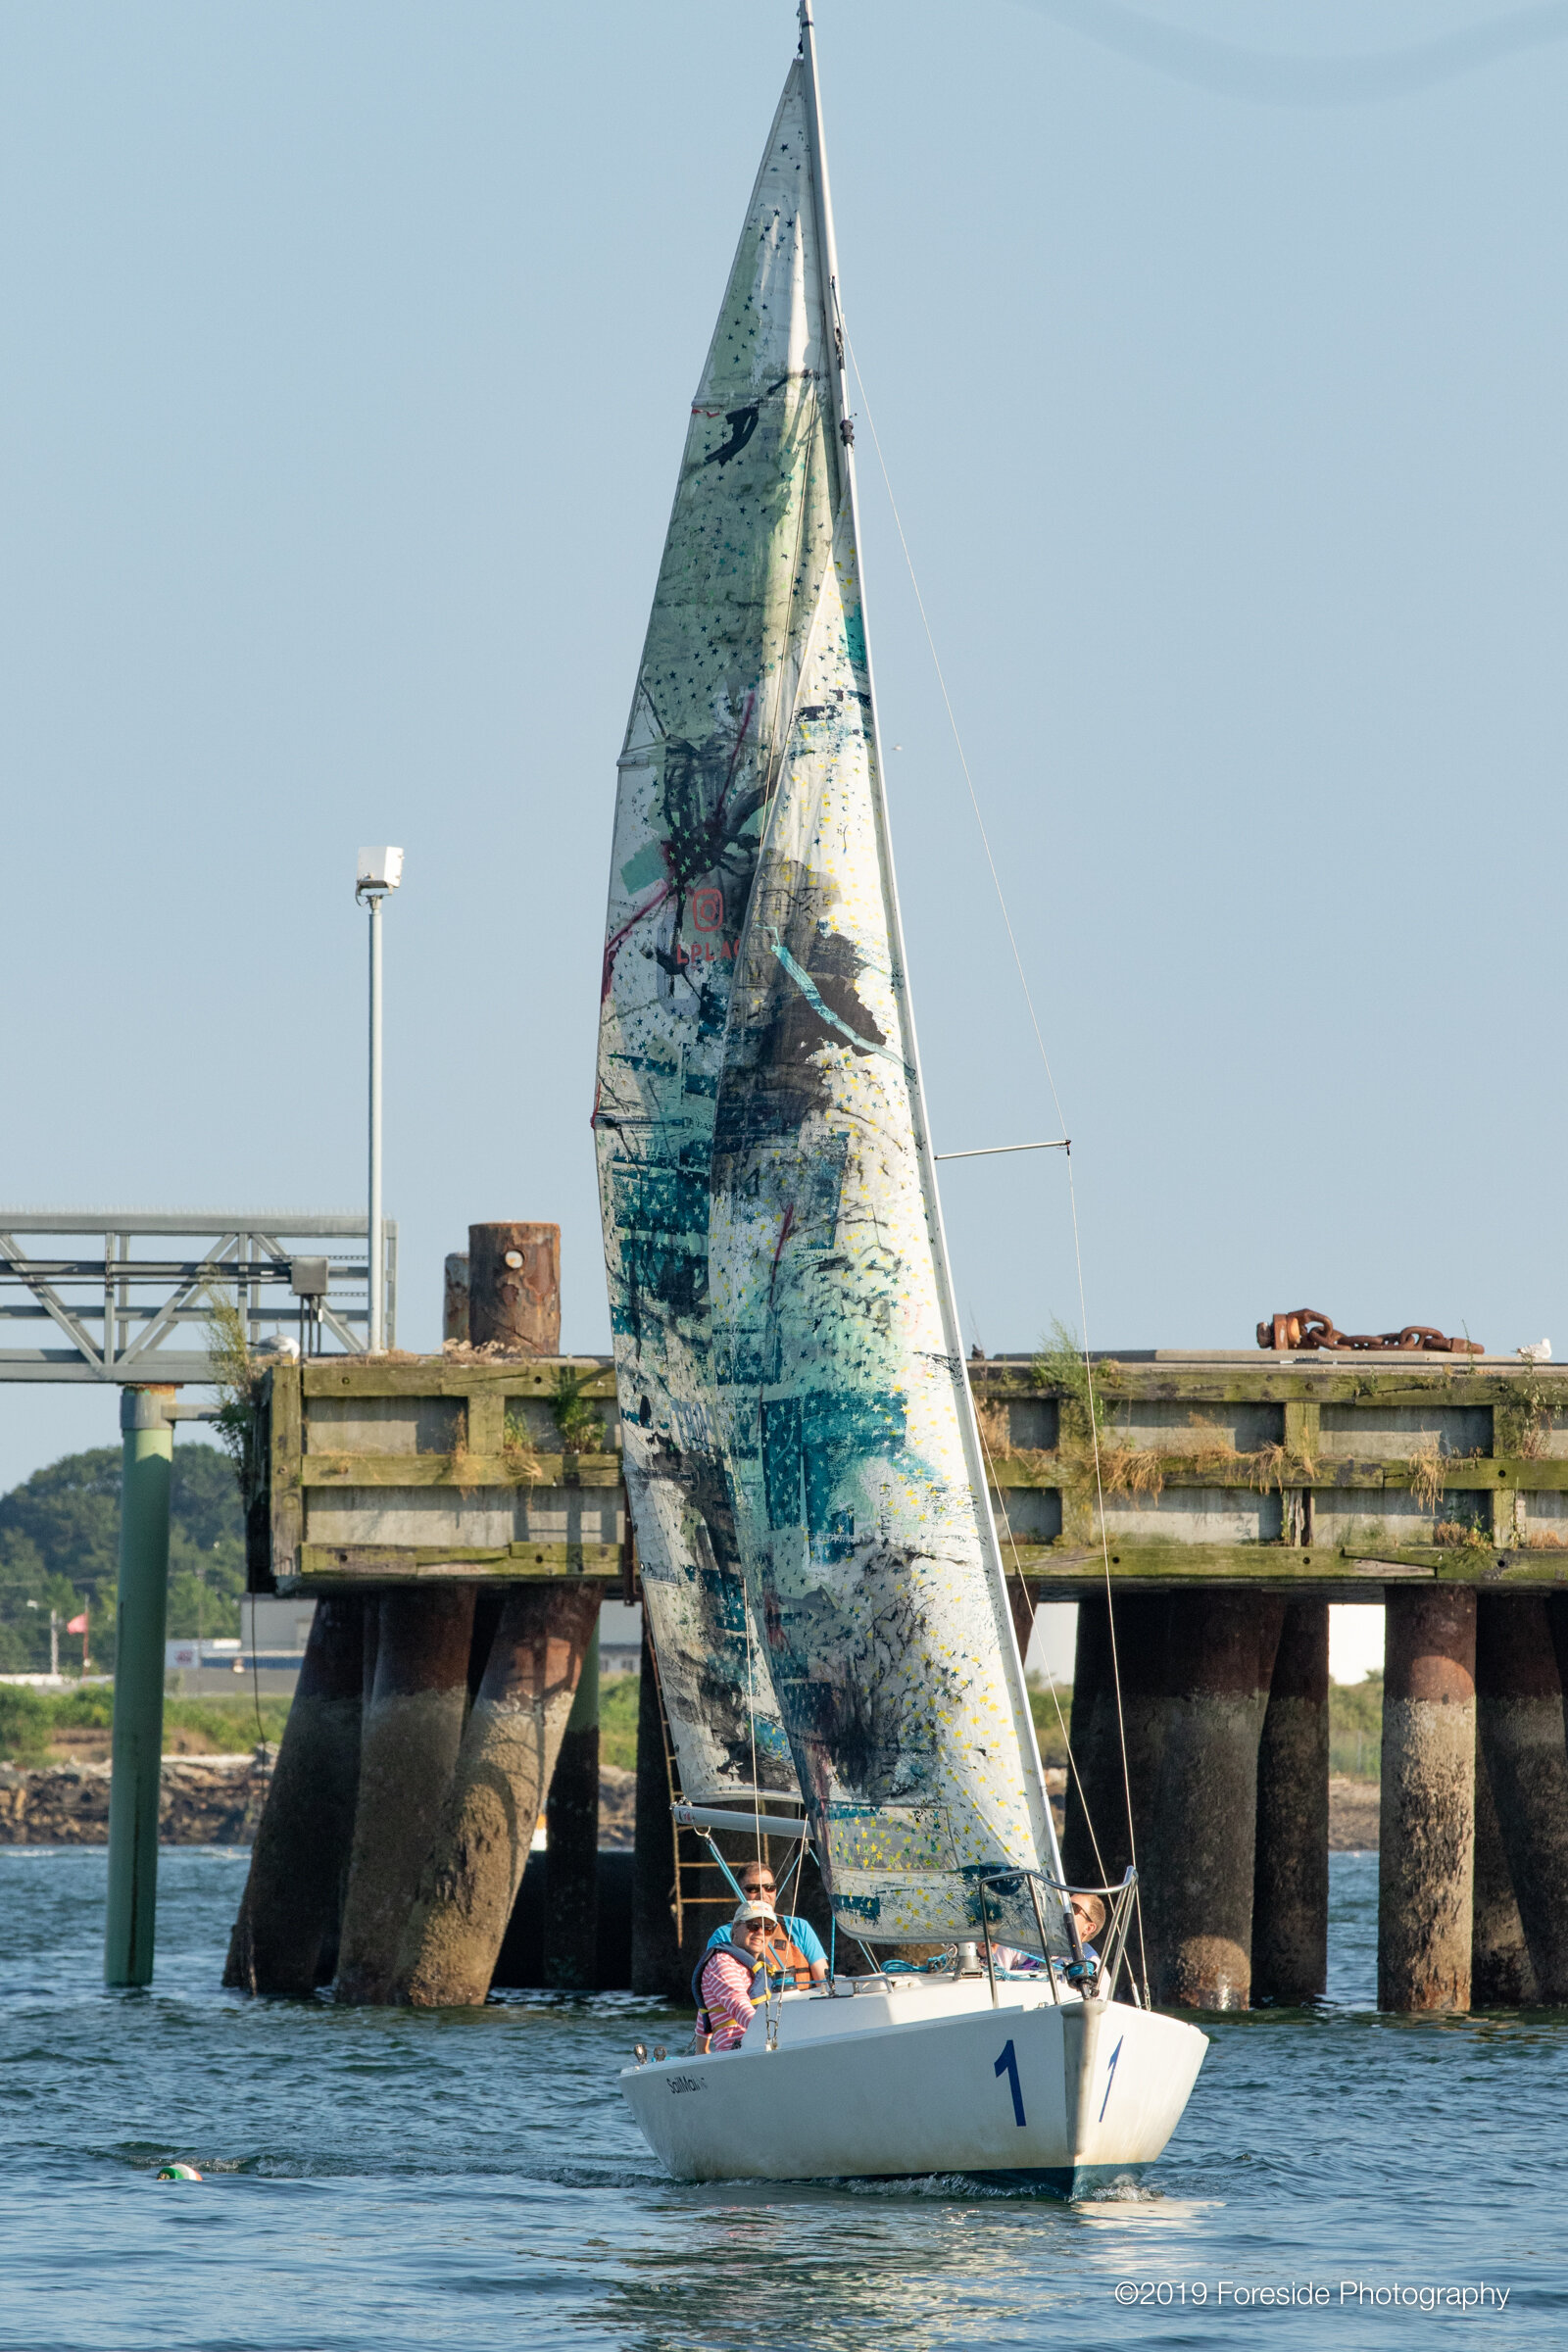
column 618, row 1720
column 60, row 1726
column 1356, row 1728
column 1047, row 1724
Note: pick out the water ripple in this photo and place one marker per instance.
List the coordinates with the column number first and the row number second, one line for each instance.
column 379, row 2182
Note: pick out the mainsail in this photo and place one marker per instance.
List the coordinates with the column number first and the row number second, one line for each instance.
column 749, row 543
column 861, row 1508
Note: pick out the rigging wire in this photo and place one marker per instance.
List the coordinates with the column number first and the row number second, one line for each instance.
column 1045, row 1058
column 1051, row 1678
column 770, row 2014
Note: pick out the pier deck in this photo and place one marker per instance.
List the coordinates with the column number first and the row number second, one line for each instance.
column 1330, row 1476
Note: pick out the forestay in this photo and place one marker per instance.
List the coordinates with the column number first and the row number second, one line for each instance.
column 861, row 1511
column 749, row 540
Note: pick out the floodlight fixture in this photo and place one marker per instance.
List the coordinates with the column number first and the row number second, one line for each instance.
column 377, row 871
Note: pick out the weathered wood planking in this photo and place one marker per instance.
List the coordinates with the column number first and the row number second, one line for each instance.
column 432, row 1470
column 1300, row 1476
column 1296, row 1477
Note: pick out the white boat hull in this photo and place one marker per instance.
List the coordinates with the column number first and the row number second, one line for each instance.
column 921, row 2077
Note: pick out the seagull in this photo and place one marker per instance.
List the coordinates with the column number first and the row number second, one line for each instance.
column 1539, row 1353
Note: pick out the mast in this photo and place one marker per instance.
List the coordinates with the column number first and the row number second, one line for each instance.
column 974, row 1452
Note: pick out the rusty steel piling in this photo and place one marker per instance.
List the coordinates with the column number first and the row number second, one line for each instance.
column 285, row 1938
column 412, row 1730
column 1521, row 1748
column 1221, row 1656
column 1426, row 1857
column 1290, row 1866
column 505, row 1765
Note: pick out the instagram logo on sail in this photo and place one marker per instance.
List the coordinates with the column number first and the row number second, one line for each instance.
column 707, row 917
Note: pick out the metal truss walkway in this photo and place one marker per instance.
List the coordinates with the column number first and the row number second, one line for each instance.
column 120, row 1299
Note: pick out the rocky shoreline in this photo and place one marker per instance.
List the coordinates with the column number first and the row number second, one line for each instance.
column 1352, row 1816
column 217, row 1800
column 205, row 1800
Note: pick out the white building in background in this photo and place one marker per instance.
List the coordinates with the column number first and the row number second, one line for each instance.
column 620, row 1637
column 265, row 1658
column 274, row 1631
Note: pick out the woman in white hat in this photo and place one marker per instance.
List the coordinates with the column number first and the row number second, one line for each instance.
column 729, row 1972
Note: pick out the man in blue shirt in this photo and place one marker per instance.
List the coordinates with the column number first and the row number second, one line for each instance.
column 758, row 1887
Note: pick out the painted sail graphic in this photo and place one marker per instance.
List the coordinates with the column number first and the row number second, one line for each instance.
column 860, row 1507
column 749, row 544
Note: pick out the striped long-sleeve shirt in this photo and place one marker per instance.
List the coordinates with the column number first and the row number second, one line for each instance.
column 727, row 1997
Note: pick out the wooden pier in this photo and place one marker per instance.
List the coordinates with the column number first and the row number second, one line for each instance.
column 462, row 1514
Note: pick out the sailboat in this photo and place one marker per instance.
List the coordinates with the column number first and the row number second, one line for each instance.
column 820, row 1569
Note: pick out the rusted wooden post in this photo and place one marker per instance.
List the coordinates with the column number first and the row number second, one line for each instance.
column 1221, row 1656
column 1291, row 1870
column 508, row 1753
column 572, row 1834
column 412, row 1732
column 1426, row 1841
column 515, row 1288
column 1521, row 1744
column 285, row 1938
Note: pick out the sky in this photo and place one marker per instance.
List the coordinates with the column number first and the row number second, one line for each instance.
column 1217, row 357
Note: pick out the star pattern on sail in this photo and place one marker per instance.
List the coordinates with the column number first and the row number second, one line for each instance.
column 750, row 538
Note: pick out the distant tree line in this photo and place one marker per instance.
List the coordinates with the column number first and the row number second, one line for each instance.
column 60, row 1543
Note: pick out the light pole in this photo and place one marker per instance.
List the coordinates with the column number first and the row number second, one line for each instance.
column 380, row 871
column 54, row 1639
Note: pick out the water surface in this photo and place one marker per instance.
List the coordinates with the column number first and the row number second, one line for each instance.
column 379, row 2179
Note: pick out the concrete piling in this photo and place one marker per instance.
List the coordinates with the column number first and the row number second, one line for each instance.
column 571, row 1835
column 514, row 1286
column 285, row 1940
column 1290, row 1866
column 1094, row 1799
column 1142, row 1636
column 474, row 1870
column 413, row 1730
column 1500, row 1974
column 1426, row 1859
column 1098, row 1736
column 1522, row 1750
column 1221, row 1657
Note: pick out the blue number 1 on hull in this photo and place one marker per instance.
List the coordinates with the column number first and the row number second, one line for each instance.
column 1007, row 2064
column 1111, row 2078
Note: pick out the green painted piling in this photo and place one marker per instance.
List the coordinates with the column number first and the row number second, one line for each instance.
column 146, row 1467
